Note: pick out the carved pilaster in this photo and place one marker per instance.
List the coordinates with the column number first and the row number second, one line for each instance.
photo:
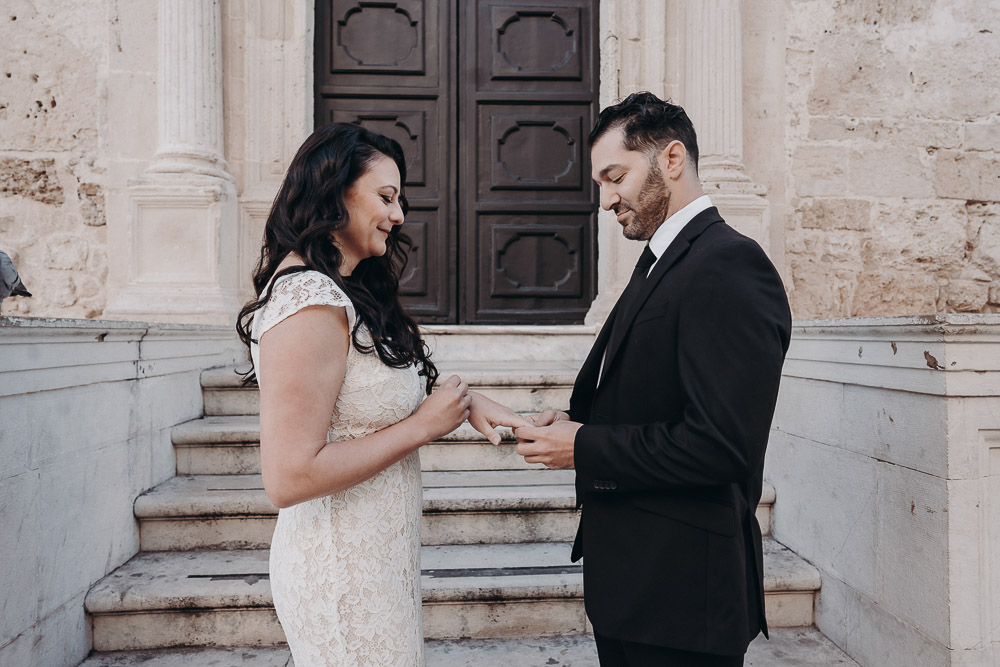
column 713, row 98
column 278, row 58
column 183, row 224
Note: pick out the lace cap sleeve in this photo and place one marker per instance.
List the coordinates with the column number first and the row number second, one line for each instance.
column 294, row 292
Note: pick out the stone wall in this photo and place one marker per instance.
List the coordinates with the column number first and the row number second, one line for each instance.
column 872, row 123
column 86, row 409
column 902, row 418
column 53, row 178
column 893, row 142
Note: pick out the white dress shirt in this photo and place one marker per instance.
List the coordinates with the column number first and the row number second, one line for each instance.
column 664, row 236
column 672, row 226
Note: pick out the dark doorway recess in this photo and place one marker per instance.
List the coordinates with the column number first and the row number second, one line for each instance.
column 492, row 101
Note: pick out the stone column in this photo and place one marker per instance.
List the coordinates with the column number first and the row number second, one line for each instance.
column 183, row 208
column 635, row 55
column 713, row 98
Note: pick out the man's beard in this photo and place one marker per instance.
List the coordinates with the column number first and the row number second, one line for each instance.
column 650, row 208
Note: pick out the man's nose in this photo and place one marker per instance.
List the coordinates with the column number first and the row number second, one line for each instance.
column 609, row 198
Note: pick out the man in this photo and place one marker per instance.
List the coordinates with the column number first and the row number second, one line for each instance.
column 670, row 414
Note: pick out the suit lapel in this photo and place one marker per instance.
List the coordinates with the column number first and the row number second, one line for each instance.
column 674, row 252
column 586, row 379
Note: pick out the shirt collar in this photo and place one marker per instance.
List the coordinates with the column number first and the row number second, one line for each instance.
column 668, row 231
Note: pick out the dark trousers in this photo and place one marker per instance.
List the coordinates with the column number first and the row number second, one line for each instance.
column 618, row 653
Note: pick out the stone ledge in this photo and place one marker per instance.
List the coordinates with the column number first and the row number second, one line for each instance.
column 488, row 374
column 41, row 354
column 245, row 429
column 234, row 496
column 792, row 647
column 211, row 580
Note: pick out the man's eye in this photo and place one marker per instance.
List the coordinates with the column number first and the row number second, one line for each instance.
column 617, row 181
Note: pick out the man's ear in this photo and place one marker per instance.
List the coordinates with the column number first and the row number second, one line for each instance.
column 672, row 159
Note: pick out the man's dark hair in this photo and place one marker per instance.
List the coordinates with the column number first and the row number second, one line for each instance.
column 649, row 125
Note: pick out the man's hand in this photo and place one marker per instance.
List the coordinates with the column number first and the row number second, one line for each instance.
column 548, row 417
column 550, row 445
column 485, row 415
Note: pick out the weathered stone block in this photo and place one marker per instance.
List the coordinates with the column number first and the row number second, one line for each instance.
column 66, row 252
column 19, row 651
column 982, row 137
column 905, row 429
column 64, row 635
column 91, row 197
column 967, row 175
column 905, row 132
column 894, row 293
column 810, row 409
column 132, row 36
column 871, row 634
column 15, row 434
column 820, row 289
column 134, row 137
column 819, row 170
column 968, row 296
column 889, row 171
column 913, row 547
column 90, row 418
column 994, row 294
column 88, row 513
column 919, row 236
column 839, row 248
column 830, row 214
column 20, row 526
column 827, row 519
column 36, row 179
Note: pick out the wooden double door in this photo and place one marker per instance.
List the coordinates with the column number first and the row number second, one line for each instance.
column 491, row 101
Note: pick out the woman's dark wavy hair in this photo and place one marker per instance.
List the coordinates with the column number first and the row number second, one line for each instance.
column 307, row 213
column 649, row 124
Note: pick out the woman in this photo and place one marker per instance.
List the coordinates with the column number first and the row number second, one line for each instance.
column 343, row 374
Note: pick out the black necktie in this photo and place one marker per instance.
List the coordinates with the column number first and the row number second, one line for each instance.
column 627, row 299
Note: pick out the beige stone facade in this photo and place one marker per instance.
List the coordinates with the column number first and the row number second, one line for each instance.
column 893, row 140
column 864, row 157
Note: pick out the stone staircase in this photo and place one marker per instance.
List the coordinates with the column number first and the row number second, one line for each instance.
column 497, row 580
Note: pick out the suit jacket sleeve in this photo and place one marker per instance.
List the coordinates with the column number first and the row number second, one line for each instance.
column 733, row 329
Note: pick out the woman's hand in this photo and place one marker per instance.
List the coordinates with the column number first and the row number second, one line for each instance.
column 487, row 414
column 548, row 417
column 444, row 410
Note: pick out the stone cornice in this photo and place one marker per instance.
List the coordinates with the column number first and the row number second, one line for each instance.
column 945, row 355
column 42, row 354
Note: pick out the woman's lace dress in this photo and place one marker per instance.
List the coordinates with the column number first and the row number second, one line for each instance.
column 345, row 569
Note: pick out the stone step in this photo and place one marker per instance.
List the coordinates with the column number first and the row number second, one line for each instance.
column 787, row 647
column 229, row 445
column 522, row 386
column 195, row 512
column 233, row 512
column 223, row 598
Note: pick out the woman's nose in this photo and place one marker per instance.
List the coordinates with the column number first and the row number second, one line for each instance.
column 396, row 215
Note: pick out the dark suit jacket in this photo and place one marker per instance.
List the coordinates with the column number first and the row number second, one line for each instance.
column 670, row 459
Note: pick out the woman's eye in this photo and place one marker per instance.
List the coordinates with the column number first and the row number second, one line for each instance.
column 387, row 199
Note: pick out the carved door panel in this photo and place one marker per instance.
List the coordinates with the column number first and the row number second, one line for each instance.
column 491, row 101
column 527, row 91
column 387, row 66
